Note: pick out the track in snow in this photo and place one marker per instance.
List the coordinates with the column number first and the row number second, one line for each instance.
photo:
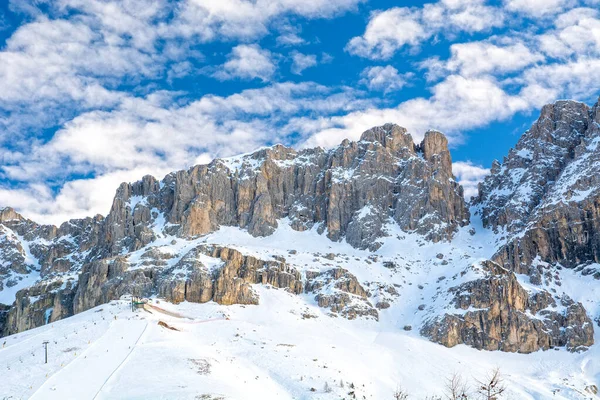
column 93, row 369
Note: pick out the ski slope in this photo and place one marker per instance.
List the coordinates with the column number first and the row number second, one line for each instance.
column 93, row 369
column 261, row 352
column 287, row 347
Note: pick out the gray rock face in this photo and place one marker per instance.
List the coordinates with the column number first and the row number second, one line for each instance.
column 545, row 199
column 227, row 279
column 38, row 305
column 516, row 187
column 340, row 291
column 496, row 313
column 546, row 193
column 46, row 249
column 350, row 192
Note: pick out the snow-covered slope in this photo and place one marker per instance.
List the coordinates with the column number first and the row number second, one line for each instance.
column 267, row 352
column 288, row 345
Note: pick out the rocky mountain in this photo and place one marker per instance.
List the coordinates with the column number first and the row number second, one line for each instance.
column 542, row 202
column 375, row 230
column 545, row 195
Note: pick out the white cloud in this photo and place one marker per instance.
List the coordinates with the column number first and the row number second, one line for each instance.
column 576, row 79
column 469, row 176
column 577, row 33
column 326, row 58
column 247, row 62
column 462, row 16
column 476, row 58
column 73, row 55
column 387, row 32
column 538, row 7
column 52, row 68
column 240, row 19
column 300, row 62
column 289, row 39
column 385, row 79
column 289, row 35
column 457, row 104
column 391, row 30
column 179, row 70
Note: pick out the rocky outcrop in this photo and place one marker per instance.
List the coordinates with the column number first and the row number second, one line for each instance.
column 51, row 251
column 546, row 193
column 232, row 281
column 205, row 273
column 105, row 280
column 39, row 305
column 350, row 192
column 340, row 291
column 497, row 313
column 516, row 187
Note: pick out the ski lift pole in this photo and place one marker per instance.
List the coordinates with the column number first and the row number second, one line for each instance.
column 45, row 343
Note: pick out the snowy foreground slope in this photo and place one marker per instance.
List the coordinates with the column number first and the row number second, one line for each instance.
column 288, row 346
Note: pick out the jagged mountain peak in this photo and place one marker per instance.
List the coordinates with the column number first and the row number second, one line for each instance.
column 563, row 133
column 282, row 182
column 389, row 135
column 352, row 192
column 9, row 214
column 561, row 123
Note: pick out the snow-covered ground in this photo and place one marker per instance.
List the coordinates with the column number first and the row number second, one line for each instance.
column 271, row 351
column 287, row 347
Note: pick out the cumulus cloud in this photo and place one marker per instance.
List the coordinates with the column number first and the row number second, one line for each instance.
column 387, row 32
column 538, row 7
column 300, row 62
column 74, row 55
column 50, row 65
column 576, row 32
column 240, row 19
column 391, row 30
column 289, row 39
column 385, row 79
column 469, row 176
column 457, row 104
column 475, row 58
column 289, row 35
column 247, row 62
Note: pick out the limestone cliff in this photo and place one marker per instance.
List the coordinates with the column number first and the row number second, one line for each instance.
column 351, row 192
column 546, row 193
column 496, row 313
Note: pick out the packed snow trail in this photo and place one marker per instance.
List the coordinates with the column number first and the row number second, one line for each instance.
column 153, row 309
column 150, row 308
column 93, row 368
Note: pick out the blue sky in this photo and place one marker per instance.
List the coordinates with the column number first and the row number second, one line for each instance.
column 96, row 92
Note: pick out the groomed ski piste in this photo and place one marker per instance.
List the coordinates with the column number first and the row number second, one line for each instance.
column 287, row 347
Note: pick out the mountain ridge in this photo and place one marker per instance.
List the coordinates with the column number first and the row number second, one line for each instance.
column 381, row 193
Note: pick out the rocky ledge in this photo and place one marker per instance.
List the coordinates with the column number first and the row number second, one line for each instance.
column 497, row 313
